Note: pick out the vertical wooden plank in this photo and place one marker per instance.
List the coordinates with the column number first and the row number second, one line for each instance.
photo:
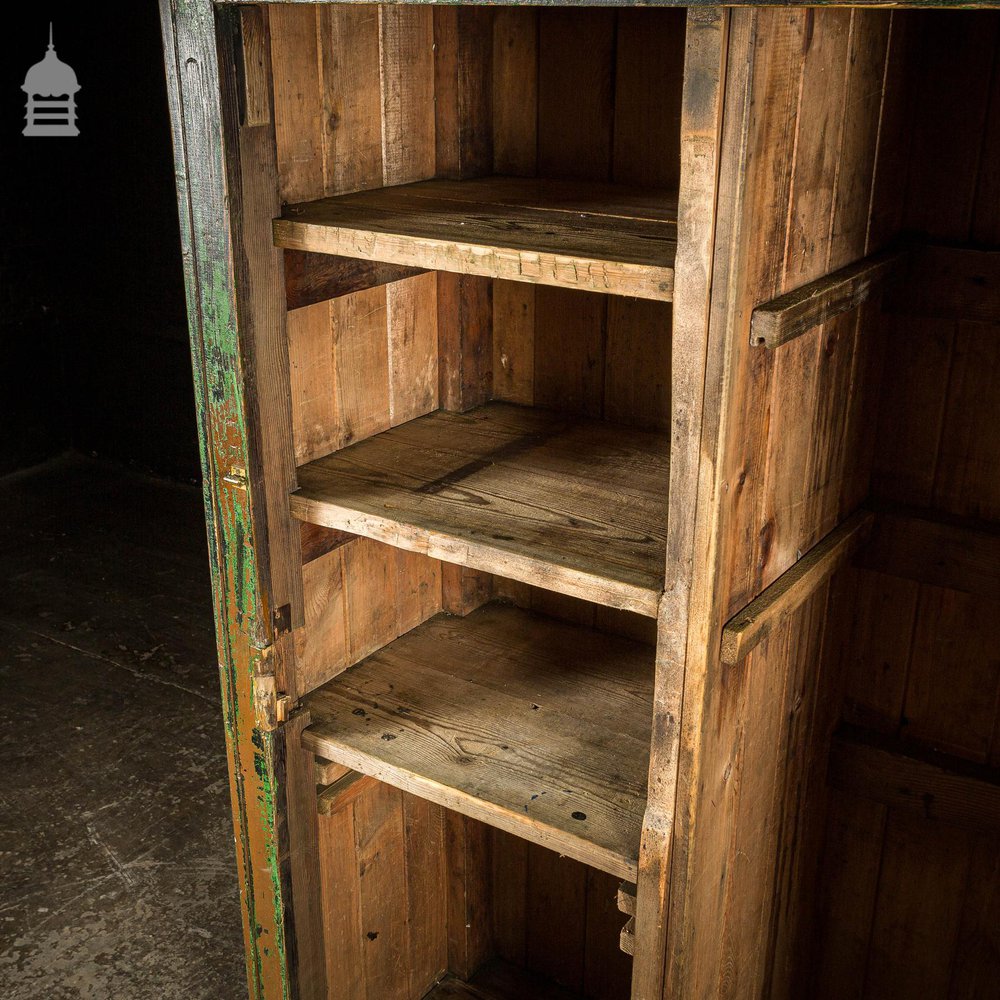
column 968, row 455
column 379, row 840
column 515, row 91
column 794, row 401
column 954, row 679
column 465, row 340
column 298, row 101
column 413, row 348
column 976, row 969
column 426, row 879
column 351, row 94
column 515, row 151
column 315, row 425
column 418, row 590
column 510, row 896
column 851, row 863
column 463, row 61
column 859, row 142
column 470, row 931
column 569, row 350
column 777, row 73
column 407, row 70
column 607, row 972
column 666, row 816
column 556, row 917
column 321, row 647
column 812, row 708
column 637, row 363
column 361, row 361
column 649, row 76
column 892, row 162
column 575, row 92
column 305, row 854
column 879, row 651
column 340, row 891
column 750, row 874
column 845, row 342
column 919, row 905
column 514, row 342
column 370, row 588
column 463, row 589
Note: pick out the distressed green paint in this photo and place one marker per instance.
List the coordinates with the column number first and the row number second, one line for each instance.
column 240, row 601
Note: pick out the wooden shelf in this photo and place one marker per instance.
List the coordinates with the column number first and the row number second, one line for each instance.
column 498, row 981
column 535, row 726
column 589, row 236
column 576, row 506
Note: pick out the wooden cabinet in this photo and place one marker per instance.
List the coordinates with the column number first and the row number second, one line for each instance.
column 599, row 414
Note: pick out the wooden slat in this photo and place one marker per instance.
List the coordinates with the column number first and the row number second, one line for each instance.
column 343, row 792
column 782, row 319
column 707, row 32
column 316, row 277
column 929, row 784
column 930, row 547
column 596, row 238
column 628, row 937
column 575, row 506
column 556, row 917
column 765, row 613
column 470, row 931
column 327, row 772
column 487, row 715
column 626, row 898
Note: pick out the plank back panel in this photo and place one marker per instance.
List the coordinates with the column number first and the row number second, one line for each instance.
column 354, row 109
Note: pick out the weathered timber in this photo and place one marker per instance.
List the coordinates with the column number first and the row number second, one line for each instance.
column 576, row 506
column 949, row 283
column 486, row 715
column 342, row 792
column 794, row 587
column 591, row 237
column 917, row 780
column 790, row 315
column 933, row 548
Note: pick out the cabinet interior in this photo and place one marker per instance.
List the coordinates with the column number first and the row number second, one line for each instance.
column 483, row 463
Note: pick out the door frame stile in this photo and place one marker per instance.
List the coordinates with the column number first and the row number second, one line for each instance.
column 235, row 515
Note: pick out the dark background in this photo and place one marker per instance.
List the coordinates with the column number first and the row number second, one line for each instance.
column 95, row 356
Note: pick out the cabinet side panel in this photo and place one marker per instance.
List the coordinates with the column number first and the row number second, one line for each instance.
column 804, row 102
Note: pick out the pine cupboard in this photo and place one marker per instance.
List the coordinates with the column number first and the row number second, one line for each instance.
column 600, row 422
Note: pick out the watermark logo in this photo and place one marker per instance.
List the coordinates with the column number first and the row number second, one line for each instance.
column 51, row 87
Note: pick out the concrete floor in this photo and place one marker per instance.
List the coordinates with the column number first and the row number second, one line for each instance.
column 117, row 877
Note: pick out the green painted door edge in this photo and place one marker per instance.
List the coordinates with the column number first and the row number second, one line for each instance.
column 243, row 637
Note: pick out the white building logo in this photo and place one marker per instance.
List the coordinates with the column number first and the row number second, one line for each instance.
column 51, row 88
